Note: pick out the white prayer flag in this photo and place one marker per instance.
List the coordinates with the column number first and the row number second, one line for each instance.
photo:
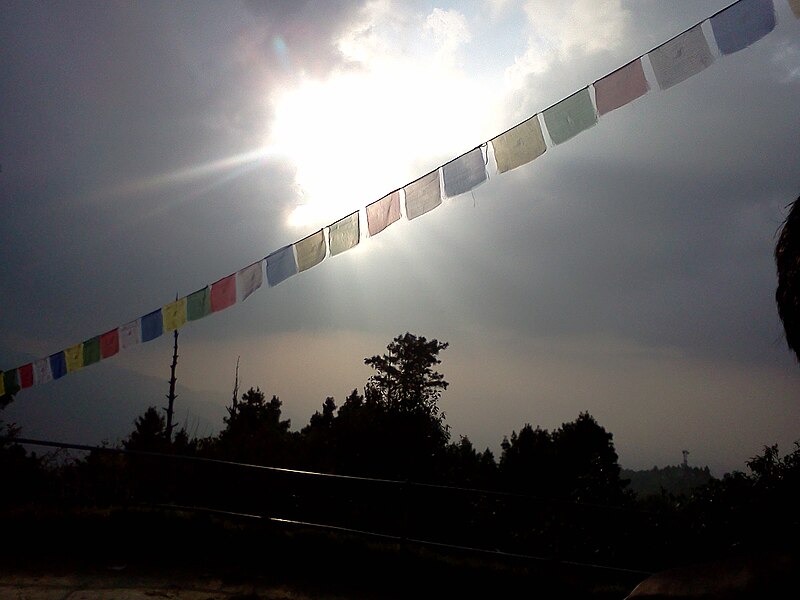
column 250, row 279
column 130, row 334
column 681, row 57
column 41, row 371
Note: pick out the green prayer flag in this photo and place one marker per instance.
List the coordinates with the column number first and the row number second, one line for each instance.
column 91, row 351
column 198, row 304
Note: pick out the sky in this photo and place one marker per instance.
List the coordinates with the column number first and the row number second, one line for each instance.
column 149, row 149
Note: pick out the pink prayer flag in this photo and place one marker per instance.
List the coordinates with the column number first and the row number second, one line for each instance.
column 25, row 374
column 223, row 293
column 109, row 343
column 383, row 212
column 620, row 87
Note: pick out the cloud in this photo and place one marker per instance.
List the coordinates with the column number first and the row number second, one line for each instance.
column 562, row 31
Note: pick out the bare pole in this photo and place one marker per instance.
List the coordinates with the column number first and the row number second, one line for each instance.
column 172, row 395
column 236, row 386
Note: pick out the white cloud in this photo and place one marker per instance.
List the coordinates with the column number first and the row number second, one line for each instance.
column 449, row 29
column 558, row 31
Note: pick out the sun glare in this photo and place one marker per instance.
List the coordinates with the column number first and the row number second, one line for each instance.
column 359, row 135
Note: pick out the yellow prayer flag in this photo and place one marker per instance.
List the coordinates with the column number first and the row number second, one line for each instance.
column 2, row 385
column 74, row 357
column 174, row 314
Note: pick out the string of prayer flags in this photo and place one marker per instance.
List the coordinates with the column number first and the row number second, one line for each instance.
column 310, row 251
column 58, row 365
column 173, row 314
column 742, row 24
column 569, row 117
column 423, row 195
column 198, row 304
column 74, row 358
column 382, row 213
column 152, row 325
column 250, row 279
column 464, row 173
column 281, row 265
column 91, row 351
column 109, row 343
column 519, row 145
column 681, row 57
column 223, row 293
column 41, row 371
column 621, row 87
column 25, row 376
column 344, row 234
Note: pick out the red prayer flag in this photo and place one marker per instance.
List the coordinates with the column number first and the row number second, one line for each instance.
column 109, row 343
column 25, row 373
column 223, row 293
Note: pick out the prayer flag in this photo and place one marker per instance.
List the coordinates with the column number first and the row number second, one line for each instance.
column 742, row 24
column 250, row 279
column 152, row 325
column 41, row 371
column 10, row 383
column 383, row 212
column 519, row 145
column 795, row 6
column 620, row 87
column 109, row 343
column 25, row 375
column 174, row 314
column 198, row 304
column 58, row 365
column 74, row 358
column 223, row 293
column 2, row 384
column 310, row 251
column 344, row 234
column 681, row 57
column 91, row 351
column 130, row 334
column 281, row 265
column 464, row 173
column 423, row 195
column 569, row 117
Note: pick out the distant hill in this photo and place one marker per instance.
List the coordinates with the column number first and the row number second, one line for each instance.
column 102, row 407
column 677, row 480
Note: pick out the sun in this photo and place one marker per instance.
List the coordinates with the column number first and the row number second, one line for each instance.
column 361, row 134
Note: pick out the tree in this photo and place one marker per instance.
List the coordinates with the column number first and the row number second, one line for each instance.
column 149, row 432
column 787, row 262
column 527, row 461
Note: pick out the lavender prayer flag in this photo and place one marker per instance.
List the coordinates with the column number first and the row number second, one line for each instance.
column 91, row 351
column 152, row 325
column 681, row 57
column 58, row 365
column 344, row 234
column 250, row 279
column 130, row 334
column 174, row 314
column 198, row 304
column 310, row 251
column 742, row 24
column 464, row 173
column 383, row 212
column 423, row 195
column 41, row 371
column 223, row 293
column 620, row 87
column 569, row 117
column 281, row 265
column 519, row 145
column 73, row 356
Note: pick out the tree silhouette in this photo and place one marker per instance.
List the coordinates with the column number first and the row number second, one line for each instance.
column 787, row 261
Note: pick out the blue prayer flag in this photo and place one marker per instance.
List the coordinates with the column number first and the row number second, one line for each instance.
column 281, row 265
column 152, row 325
column 742, row 24
column 58, row 365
